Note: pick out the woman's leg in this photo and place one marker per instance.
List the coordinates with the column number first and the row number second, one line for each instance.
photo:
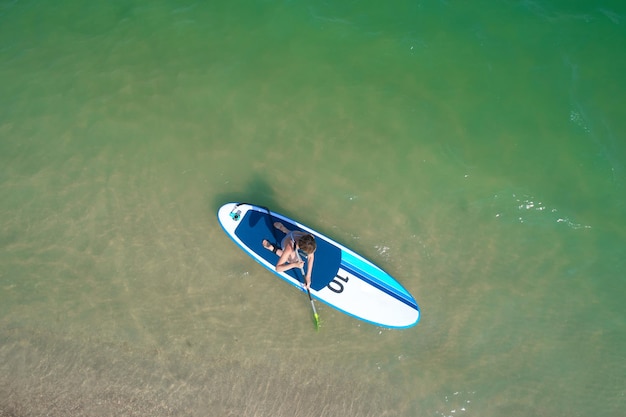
column 281, row 227
column 273, row 247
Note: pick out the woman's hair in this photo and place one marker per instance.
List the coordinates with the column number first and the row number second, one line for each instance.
column 307, row 244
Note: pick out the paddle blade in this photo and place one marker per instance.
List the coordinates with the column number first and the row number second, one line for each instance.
column 316, row 321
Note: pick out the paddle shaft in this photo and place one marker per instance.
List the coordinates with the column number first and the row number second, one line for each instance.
column 308, row 291
column 315, row 316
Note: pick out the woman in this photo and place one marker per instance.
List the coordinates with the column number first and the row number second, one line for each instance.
column 288, row 257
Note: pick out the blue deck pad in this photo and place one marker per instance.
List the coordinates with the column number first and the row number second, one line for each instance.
column 257, row 225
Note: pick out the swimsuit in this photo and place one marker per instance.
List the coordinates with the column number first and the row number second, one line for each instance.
column 291, row 237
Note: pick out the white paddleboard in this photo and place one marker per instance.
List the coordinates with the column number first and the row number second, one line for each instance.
column 340, row 278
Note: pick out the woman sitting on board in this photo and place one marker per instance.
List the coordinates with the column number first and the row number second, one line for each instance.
column 288, row 256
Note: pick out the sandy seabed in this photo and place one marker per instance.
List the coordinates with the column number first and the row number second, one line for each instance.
column 45, row 375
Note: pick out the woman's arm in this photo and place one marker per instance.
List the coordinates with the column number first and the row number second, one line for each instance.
column 283, row 265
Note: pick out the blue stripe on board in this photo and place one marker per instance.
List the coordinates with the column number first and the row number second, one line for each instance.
column 361, row 264
column 376, row 283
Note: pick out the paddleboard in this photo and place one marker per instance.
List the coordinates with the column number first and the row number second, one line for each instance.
column 340, row 278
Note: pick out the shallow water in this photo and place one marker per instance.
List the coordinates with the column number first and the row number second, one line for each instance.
column 476, row 153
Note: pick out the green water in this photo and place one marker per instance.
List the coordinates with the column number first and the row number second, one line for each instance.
column 474, row 151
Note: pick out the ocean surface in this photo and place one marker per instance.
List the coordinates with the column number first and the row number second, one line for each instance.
column 476, row 151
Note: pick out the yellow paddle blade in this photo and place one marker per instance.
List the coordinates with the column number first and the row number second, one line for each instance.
column 316, row 320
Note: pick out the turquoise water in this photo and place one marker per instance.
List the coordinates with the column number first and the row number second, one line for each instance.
column 474, row 151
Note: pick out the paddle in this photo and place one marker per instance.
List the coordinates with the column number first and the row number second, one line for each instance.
column 316, row 317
